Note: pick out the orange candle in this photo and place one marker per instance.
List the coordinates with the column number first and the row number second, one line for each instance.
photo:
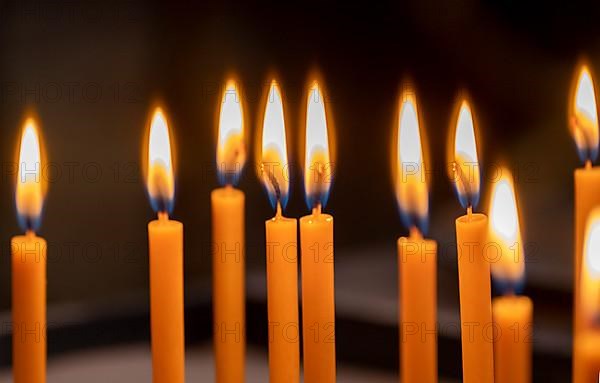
column 316, row 245
column 417, row 269
column 29, row 266
column 473, row 267
column 227, row 207
column 281, row 243
column 512, row 314
column 586, row 365
column 583, row 123
column 165, row 247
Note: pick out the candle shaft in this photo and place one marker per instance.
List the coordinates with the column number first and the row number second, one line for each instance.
column 282, row 288
column 318, row 300
column 587, row 365
column 417, row 271
column 475, row 299
column 228, row 284
column 512, row 347
column 166, row 300
column 29, row 308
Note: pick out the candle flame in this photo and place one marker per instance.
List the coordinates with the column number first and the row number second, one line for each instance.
column 274, row 167
column 30, row 188
column 467, row 178
column 160, row 179
column 231, row 150
column 505, row 233
column 584, row 116
column 590, row 275
column 411, row 184
column 318, row 169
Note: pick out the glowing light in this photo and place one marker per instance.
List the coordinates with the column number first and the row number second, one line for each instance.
column 30, row 191
column 411, row 185
column 160, row 180
column 505, row 231
column 274, row 169
column 231, row 151
column 317, row 165
column 466, row 164
column 584, row 116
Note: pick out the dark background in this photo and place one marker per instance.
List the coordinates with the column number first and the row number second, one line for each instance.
column 91, row 71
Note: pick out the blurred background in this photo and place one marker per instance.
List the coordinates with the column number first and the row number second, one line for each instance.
column 91, row 71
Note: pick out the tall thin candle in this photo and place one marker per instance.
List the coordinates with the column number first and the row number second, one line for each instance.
column 281, row 243
column 473, row 267
column 228, row 255
column 417, row 257
column 316, row 244
column 29, row 265
column 165, row 247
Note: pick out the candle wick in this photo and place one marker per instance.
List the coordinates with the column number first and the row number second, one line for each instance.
column 317, row 209
column 278, row 209
column 415, row 233
column 163, row 216
column 469, row 212
column 275, row 185
column 588, row 164
column 30, row 233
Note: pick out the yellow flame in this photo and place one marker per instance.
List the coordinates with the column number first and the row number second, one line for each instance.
column 590, row 275
column 274, row 151
column 466, row 162
column 160, row 180
column 231, row 150
column 505, row 231
column 30, row 191
column 317, row 165
column 411, row 184
column 584, row 115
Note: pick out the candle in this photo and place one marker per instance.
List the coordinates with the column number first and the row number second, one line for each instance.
column 473, row 267
column 227, row 207
column 587, row 363
column 29, row 265
column 316, row 246
column 416, row 256
column 165, row 247
column 583, row 123
column 512, row 314
column 281, row 242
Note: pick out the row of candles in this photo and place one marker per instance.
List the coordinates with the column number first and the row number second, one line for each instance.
column 506, row 359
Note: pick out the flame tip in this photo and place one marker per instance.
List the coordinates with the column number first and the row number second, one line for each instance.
column 30, row 184
column 160, row 182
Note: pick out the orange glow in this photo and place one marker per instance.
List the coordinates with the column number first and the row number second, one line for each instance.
column 466, row 177
column 317, row 164
column 505, row 231
column 411, row 183
column 274, row 169
column 584, row 115
column 231, row 149
column 590, row 273
column 30, row 188
column 160, row 179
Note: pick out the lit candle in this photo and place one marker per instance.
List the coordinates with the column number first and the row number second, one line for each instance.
column 416, row 256
column 227, row 206
column 473, row 267
column 587, row 353
column 29, row 265
column 281, row 242
column 316, row 245
column 583, row 123
column 165, row 247
column 512, row 313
